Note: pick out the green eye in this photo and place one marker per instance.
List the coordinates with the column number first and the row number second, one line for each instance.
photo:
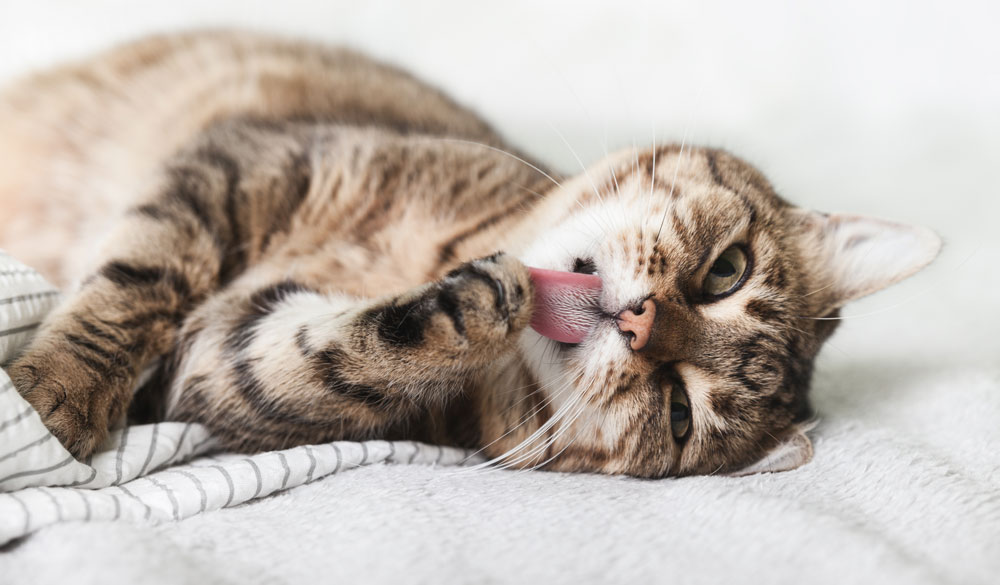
column 680, row 414
column 726, row 273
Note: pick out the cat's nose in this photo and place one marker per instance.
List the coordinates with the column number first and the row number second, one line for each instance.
column 638, row 323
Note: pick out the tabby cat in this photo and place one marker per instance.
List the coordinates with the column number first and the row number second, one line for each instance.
column 294, row 244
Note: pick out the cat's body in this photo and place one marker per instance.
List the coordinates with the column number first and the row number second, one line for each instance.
column 290, row 231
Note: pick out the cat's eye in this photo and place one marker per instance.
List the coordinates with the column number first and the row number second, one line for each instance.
column 727, row 273
column 680, row 414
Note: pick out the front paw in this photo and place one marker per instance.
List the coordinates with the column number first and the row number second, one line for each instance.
column 487, row 301
column 471, row 315
column 73, row 403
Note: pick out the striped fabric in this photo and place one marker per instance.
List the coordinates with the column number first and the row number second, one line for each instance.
column 145, row 473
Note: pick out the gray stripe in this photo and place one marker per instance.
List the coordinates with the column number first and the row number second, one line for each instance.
column 93, row 474
column 202, row 443
column 127, row 492
column 55, row 502
column 120, row 456
column 197, row 484
column 229, row 481
column 152, row 447
column 16, row 419
column 364, row 454
column 8, row 385
column 34, row 443
column 288, row 470
column 440, row 454
column 118, row 506
column 180, row 442
column 391, row 457
column 28, row 297
column 260, row 480
column 16, row 271
column 87, row 512
column 27, row 513
column 62, row 463
column 312, row 463
column 416, row 449
column 20, row 329
column 174, row 506
column 340, row 457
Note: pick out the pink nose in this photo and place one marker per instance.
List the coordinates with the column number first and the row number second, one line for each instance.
column 638, row 323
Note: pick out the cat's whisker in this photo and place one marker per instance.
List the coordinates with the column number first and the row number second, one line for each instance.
column 581, row 406
column 673, row 184
column 568, row 444
column 564, row 386
column 586, row 171
column 560, row 432
column 524, row 418
column 534, row 452
column 543, row 429
column 504, row 152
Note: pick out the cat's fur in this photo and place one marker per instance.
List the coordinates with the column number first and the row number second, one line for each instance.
column 290, row 231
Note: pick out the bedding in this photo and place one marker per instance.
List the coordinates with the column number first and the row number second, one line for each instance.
column 902, row 490
column 138, row 475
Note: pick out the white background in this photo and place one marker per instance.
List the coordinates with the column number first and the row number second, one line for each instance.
column 884, row 108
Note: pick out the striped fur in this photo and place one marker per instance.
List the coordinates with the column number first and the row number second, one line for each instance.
column 292, row 232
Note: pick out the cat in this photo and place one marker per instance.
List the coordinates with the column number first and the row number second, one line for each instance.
column 296, row 244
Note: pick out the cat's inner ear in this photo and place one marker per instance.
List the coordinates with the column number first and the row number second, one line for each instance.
column 794, row 450
column 852, row 256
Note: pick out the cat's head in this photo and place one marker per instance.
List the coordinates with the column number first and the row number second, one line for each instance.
column 744, row 288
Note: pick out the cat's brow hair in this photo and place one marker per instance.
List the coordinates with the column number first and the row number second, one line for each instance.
column 289, row 229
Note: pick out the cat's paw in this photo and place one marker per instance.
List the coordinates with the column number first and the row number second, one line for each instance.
column 487, row 301
column 472, row 315
column 74, row 404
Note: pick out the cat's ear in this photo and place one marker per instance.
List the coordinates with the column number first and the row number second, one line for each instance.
column 853, row 256
column 793, row 451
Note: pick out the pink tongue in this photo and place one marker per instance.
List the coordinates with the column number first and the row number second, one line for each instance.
column 566, row 304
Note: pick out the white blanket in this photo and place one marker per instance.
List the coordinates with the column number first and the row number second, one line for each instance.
column 906, row 494
column 136, row 476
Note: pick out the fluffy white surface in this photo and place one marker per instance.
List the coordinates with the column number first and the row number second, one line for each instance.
column 886, row 109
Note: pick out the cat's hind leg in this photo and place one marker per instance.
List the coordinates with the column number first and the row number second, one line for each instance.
column 273, row 366
column 164, row 257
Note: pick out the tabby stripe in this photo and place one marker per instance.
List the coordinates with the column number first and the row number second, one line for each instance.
column 112, row 359
column 448, row 303
column 329, row 364
column 126, row 275
column 144, row 319
column 96, row 331
column 186, row 191
column 494, row 284
column 400, row 325
column 713, row 168
column 235, row 255
column 261, row 304
column 447, row 252
column 256, row 396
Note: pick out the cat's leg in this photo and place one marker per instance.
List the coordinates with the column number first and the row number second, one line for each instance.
column 279, row 365
column 163, row 258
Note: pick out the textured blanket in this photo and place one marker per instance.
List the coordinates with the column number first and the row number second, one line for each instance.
column 904, row 489
column 138, row 476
